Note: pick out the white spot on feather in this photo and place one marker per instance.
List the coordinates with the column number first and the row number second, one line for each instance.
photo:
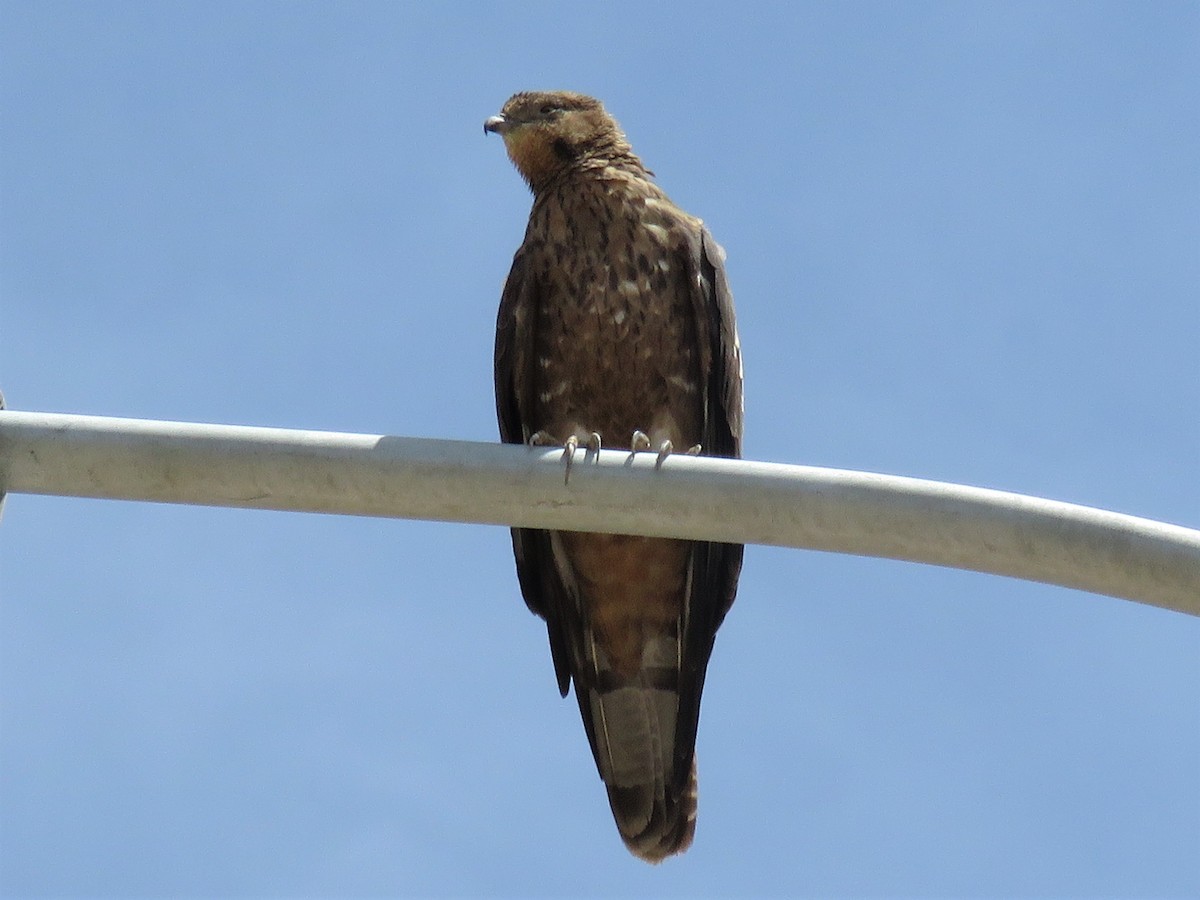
column 619, row 316
column 557, row 391
column 628, row 288
column 684, row 384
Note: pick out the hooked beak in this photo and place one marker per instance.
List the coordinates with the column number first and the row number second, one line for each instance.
column 498, row 124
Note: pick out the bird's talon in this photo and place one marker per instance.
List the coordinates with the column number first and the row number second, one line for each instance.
column 694, row 450
column 664, row 450
column 593, row 442
column 639, row 441
column 570, row 445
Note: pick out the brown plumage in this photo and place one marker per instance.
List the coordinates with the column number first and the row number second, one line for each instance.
column 617, row 318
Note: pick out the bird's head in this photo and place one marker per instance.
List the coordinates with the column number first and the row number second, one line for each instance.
column 546, row 132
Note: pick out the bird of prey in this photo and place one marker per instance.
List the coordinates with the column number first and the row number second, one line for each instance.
column 616, row 325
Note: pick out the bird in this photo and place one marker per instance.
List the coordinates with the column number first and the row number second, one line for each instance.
column 616, row 328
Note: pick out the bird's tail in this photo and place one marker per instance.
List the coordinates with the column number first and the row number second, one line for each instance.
column 651, row 783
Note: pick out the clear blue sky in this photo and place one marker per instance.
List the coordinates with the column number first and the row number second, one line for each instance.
column 964, row 241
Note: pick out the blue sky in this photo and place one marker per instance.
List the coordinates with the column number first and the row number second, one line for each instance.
column 963, row 240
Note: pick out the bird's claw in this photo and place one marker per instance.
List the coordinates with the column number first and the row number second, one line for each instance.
column 638, row 443
column 569, row 446
column 641, row 441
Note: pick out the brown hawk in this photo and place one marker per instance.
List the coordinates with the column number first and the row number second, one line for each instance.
column 616, row 324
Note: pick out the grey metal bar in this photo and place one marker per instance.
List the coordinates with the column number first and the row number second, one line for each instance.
column 615, row 491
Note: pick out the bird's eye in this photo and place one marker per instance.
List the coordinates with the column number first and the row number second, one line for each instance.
column 548, row 109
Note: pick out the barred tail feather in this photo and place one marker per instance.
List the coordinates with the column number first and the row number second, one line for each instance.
column 655, row 823
column 634, row 721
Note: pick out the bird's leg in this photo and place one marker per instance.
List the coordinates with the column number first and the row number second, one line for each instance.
column 640, row 441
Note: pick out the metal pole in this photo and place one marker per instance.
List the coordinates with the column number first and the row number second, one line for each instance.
column 615, row 491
